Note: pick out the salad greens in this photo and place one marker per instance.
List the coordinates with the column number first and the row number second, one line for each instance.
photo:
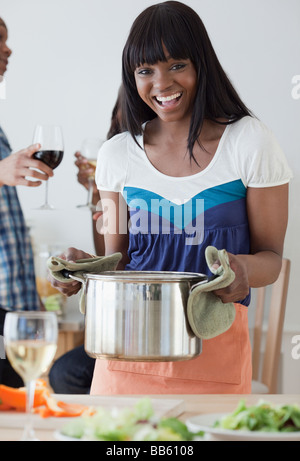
column 129, row 424
column 262, row 417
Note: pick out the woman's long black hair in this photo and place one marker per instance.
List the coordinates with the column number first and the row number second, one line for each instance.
column 181, row 30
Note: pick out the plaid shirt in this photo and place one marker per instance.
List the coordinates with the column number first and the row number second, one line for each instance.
column 17, row 277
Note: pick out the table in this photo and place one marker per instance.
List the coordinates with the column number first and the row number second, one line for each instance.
column 191, row 405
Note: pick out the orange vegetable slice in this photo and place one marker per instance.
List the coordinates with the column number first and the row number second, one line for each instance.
column 61, row 409
column 4, row 407
column 73, row 409
column 44, row 404
column 16, row 398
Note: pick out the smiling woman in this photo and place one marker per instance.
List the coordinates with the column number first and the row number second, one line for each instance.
column 179, row 101
column 190, row 138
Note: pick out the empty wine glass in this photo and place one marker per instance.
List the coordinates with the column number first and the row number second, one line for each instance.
column 90, row 148
column 51, row 153
column 30, row 340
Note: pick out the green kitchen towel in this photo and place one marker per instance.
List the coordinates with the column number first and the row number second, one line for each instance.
column 59, row 269
column 207, row 315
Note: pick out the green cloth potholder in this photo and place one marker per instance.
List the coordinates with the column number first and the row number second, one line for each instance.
column 95, row 265
column 208, row 316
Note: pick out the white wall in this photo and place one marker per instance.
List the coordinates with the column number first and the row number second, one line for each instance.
column 66, row 68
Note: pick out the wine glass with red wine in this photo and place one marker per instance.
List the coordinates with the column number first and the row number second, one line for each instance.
column 51, row 153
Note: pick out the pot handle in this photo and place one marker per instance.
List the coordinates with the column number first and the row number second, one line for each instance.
column 70, row 275
column 81, row 279
column 204, row 282
column 224, row 272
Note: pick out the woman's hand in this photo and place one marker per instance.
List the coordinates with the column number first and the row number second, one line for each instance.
column 71, row 288
column 18, row 167
column 239, row 288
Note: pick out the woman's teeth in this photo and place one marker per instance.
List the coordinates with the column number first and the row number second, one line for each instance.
column 162, row 99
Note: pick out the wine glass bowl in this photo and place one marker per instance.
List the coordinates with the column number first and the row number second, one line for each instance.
column 52, row 158
column 51, row 152
column 30, row 340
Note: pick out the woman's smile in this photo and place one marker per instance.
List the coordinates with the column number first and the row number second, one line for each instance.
column 168, row 101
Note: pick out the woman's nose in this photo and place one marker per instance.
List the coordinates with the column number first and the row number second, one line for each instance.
column 163, row 81
column 7, row 50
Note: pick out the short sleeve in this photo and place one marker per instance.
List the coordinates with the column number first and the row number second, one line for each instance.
column 259, row 157
column 112, row 164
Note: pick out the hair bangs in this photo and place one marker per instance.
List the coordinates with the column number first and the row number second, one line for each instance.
column 146, row 44
column 147, row 50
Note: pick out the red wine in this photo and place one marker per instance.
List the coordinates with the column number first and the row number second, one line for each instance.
column 52, row 158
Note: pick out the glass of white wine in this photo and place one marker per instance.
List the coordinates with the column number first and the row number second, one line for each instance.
column 30, row 340
column 89, row 149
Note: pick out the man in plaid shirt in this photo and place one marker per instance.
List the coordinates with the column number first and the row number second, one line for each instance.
column 17, row 278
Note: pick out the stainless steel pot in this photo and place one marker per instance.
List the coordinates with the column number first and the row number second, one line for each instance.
column 139, row 316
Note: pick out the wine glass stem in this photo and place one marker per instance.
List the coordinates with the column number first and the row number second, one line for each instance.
column 46, row 193
column 28, row 430
column 90, row 191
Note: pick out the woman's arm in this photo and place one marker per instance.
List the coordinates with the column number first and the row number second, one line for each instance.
column 113, row 224
column 268, row 216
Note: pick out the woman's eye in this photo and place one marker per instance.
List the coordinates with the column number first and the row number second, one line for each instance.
column 143, row 71
column 178, row 66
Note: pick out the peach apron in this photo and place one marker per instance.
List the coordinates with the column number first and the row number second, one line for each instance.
column 224, row 367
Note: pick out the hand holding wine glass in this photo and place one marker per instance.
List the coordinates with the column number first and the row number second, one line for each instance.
column 22, row 169
column 30, row 340
column 86, row 162
column 51, row 153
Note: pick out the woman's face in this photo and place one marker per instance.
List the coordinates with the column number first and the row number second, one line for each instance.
column 5, row 52
column 168, row 88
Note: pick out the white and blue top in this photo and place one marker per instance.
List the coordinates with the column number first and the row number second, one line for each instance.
column 173, row 219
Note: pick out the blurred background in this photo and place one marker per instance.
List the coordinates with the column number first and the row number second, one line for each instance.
column 66, row 69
